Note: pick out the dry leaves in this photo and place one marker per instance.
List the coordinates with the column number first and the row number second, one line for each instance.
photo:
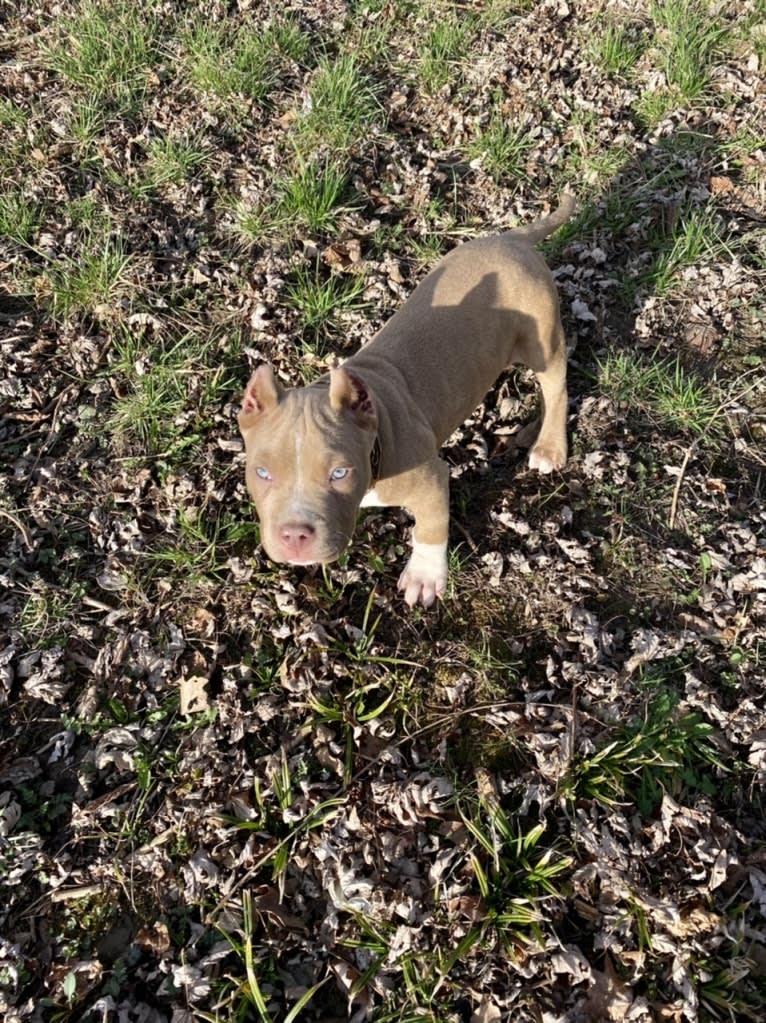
column 188, row 733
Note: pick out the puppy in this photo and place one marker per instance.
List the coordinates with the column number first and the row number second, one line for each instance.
column 369, row 432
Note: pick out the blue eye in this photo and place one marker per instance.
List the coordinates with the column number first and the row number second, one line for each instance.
column 339, row 474
column 262, row 473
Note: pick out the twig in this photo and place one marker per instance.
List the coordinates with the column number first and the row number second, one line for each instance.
column 466, row 534
column 54, row 422
column 20, row 526
column 677, row 491
column 692, row 449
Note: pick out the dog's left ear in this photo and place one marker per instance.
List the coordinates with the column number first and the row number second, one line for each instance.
column 348, row 392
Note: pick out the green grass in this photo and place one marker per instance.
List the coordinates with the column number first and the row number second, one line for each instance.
column 108, row 51
column 690, row 37
column 653, row 105
column 684, row 146
column 371, row 42
column 444, row 50
column 729, row 984
column 681, row 239
column 501, row 15
column 438, row 221
column 321, row 300
column 164, row 401
column 87, row 213
column 313, row 196
column 342, row 106
column 46, row 613
column 502, row 148
column 228, row 65
column 369, row 698
column 174, row 159
column 98, row 276
column 291, row 40
column 86, row 122
column 197, row 547
column 426, row 251
column 617, row 48
column 742, row 152
column 20, row 217
column 514, row 870
column 151, row 397
column 251, row 223
column 745, row 142
column 591, row 165
column 668, row 751
column 614, row 208
column 693, row 239
column 749, row 31
column 664, row 390
column 240, row 64
column 171, row 159
column 249, row 996
column 12, row 115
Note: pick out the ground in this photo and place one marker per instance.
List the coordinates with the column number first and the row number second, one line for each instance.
column 231, row 790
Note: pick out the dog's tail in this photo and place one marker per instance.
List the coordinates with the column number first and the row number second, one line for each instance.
column 539, row 229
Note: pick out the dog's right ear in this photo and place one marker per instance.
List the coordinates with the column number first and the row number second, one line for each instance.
column 262, row 393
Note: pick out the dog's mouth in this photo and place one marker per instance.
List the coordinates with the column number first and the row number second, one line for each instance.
column 321, row 558
column 304, row 546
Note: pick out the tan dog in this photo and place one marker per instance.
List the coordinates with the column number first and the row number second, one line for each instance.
column 369, row 433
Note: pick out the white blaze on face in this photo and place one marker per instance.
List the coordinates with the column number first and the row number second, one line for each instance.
column 297, row 505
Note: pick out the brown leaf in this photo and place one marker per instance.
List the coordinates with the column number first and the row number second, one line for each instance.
column 488, row 1012
column 471, row 907
column 343, row 255
column 156, row 937
column 268, row 903
column 193, row 695
column 609, row 997
column 721, row 184
column 202, row 622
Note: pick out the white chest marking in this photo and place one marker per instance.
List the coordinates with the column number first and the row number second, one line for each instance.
column 371, row 500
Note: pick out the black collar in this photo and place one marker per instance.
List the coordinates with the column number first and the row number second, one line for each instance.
column 375, row 456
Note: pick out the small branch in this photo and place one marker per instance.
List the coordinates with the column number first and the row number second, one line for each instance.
column 20, row 526
column 679, row 482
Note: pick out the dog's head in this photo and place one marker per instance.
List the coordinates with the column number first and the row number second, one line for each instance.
column 308, row 461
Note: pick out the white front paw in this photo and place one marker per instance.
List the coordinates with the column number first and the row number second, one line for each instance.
column 425, row 577
column 547, row 457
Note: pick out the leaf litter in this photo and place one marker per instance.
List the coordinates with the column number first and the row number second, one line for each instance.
column 224, row 782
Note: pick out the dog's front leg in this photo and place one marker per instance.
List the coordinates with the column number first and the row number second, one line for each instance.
column 427, row 497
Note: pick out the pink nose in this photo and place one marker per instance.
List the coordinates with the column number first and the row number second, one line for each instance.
column 297, row 538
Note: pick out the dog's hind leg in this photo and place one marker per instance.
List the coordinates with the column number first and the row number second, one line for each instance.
column 548, row 443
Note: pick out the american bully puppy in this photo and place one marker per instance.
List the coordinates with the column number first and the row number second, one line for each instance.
column 369, row 432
